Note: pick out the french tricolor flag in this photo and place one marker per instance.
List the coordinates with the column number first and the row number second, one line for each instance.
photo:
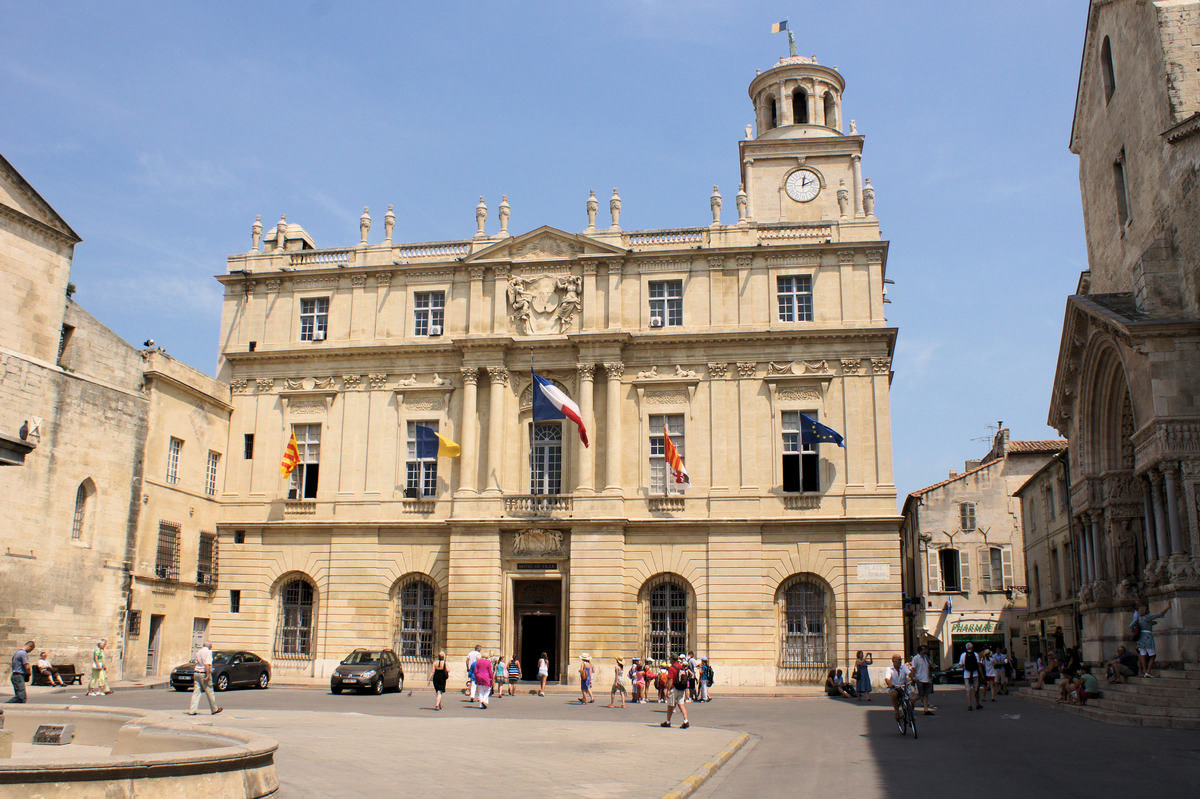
column 550, row 403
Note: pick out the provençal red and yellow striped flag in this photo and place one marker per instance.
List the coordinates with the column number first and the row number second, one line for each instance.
column 679, row 475
column 291, row 457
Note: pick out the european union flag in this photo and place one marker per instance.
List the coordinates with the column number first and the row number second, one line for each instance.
column 813, row 432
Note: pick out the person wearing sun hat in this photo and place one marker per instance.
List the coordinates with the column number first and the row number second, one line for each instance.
column 618, row 685
column 585, row 679
column 679, row 673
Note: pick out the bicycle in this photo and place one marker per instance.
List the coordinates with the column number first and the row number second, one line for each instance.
column 908, row 719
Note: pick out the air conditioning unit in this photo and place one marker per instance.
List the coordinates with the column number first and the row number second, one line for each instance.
column 411, row 493
column 319, row 335
column 435, row 330
column 656, row 321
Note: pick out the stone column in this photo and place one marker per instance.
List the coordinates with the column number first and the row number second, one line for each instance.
column 585, row 459
column 1174, row 519
column 784, row 117
column 1094, row 544
column 496, row 424
column 810, row 102
column 1160, row 513
column 612, row 432
column 818, row 105
column 1148, row 523
column 856, row 167
column 469, row 431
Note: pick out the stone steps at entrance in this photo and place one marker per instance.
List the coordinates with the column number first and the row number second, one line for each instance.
column 1170, row 699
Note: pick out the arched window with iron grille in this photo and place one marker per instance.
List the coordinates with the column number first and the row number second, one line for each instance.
column 294, row 634
column 668, row 620
column 804, row 648
column 413, row 636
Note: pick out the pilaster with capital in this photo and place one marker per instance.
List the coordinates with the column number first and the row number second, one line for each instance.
column 585, row 459
column 476, row 312
column 612, row 432
column 468, row 461
column 498, row 375
column 856, row 169
column 500, row 275
column 588, row 320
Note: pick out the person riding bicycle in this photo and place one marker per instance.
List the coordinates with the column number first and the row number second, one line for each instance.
column 896, row 678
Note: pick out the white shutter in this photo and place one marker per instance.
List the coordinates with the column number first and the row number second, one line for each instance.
column 935, row 571
column 1006, row 556
column 964, row 569
column 985, row 569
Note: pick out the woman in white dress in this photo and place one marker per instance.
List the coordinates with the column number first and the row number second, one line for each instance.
column 543, row 673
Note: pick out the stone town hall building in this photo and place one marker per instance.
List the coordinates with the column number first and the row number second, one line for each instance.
column 782, row 559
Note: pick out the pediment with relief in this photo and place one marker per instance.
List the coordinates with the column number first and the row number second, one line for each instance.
column 545, row 244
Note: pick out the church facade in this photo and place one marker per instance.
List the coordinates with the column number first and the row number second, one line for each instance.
column 780, row 560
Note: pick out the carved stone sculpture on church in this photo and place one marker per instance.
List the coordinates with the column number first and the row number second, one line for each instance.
column 743, row 204
column 364, row 226
column 256, row 234
column 544, row 304
column 504, row 212
column 281, row 233
column 614, row 208
column 843, row 197
column 869, row 198
column 389, row 224
column 480, row 217
column 715, row 203
column 593, row 205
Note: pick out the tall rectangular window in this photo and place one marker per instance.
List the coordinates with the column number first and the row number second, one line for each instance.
column 248, row 446
column 801, row 470
column 166, row 559
column 206, row 560
column 966, row 515
column 949, row 563
column 421, row 480
column 659, row 480
column 1055, row 584
column 666, row 303
column 1121, row 190
column 545, row 458
column 314, row 318
column 303, row 483
column 210, row 478
column 795, row 298
column 173, row 450
column 235, row 600
column 429, row 308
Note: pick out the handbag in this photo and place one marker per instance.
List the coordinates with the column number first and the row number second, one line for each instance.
column 854, row 674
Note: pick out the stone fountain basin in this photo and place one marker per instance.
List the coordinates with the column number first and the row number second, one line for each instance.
column 124, row 752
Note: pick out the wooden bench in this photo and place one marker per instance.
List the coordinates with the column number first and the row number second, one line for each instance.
column 66, row 673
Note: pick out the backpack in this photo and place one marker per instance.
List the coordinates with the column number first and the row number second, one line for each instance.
column 708, row 674
column 683, row 679
column 971, row 663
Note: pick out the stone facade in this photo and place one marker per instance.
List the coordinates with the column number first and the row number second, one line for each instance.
column 1127, row 387
column 1051, row 565
column 962, row 545
column 777, row 563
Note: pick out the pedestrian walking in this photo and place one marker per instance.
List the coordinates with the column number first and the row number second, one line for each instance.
column 680, row 678
column 20, row 673
column 483, row 680
column 514, row 674
column 988, row 686
column 543, row 673
column 694, row 664
column 972, row 670
column 472, row 657
column 639, row 681
column 500, row 676
column 862, row 675
column 585, row 679
column 98, row 684
column 706, row 679
column 618, row 686
column 923, row 676
column 438, row 676
column 203, row 681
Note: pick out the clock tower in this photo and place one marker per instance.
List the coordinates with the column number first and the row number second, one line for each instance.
column 802, row 165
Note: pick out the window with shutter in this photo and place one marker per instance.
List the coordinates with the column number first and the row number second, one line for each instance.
column 935, row 574
column 964, row 576
column 1007, row 567
column 985, row 570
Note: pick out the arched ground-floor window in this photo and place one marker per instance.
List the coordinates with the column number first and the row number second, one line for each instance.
column 414, row 635
column 806, row 615
column 295, row 629
column 666, row 613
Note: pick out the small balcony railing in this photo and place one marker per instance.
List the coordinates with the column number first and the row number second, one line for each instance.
column 537, row 504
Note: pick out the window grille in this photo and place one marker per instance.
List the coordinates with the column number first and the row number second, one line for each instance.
column 248, row 446
column 668, row 621
column 314, row 319
column 166, row 562
column 294, row 636
column 795, row 298
column 545, row 459
column 206, row 560
column 81, row 498
column 804, row 626
column 135, row 623
column 414, row 622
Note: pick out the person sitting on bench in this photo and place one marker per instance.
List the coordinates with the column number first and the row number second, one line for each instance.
column 48, row 670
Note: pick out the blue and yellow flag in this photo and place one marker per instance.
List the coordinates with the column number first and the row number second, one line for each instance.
column 813, row 432
column 431, row 443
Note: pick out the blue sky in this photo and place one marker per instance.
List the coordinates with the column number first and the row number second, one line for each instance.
column 159, row 130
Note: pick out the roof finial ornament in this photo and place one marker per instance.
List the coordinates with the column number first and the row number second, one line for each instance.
column 480, row 217
column 505, row 212
column 256, row 233
column 614, row 207
column 389, row 224
column 364, row 226
column 593, row 205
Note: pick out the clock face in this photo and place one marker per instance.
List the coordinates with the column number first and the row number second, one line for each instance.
column 803, row 185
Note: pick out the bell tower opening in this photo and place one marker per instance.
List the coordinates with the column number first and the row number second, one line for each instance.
column 800, row 107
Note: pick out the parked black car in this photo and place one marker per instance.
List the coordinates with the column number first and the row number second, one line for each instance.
column 374, row 670
column 953, row 674
column 230, row 668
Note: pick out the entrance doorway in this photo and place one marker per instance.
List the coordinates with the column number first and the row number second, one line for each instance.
column 155, row 645
column 536, row 606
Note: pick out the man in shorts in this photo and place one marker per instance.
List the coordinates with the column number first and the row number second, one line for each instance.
column 676, row 697
column 923, row 675
column 897, row 677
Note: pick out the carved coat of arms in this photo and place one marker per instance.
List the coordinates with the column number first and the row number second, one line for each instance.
column 544, row 304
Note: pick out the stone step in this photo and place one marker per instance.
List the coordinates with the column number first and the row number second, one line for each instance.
column 1186, row 683
column 1099, row 711
column 1164, row 698
column 1137, row 708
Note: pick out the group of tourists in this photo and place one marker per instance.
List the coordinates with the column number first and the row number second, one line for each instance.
column 23, row 671
column 648, row 675
column 986, row 674
column 487, row 676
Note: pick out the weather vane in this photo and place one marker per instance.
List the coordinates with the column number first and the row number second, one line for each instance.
column 780, row 27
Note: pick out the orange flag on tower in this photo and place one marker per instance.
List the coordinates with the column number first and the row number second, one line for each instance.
column 679, row 475
column 291, row 457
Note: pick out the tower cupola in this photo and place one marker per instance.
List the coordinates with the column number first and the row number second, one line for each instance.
column 797, row 98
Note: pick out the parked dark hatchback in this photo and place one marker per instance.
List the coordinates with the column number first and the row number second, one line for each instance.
column 374, row 670
column 231, row 668
column 954, row 674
